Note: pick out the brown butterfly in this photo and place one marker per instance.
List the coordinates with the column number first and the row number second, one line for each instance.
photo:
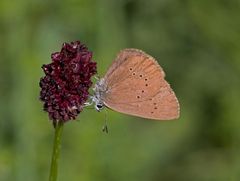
column 135, row 85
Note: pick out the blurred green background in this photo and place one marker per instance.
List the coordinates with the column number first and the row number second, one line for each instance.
column 196, row 42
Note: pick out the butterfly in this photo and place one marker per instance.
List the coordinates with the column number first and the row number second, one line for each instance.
column 135, row 85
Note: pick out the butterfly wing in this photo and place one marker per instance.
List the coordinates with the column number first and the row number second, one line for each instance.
column 136, row 86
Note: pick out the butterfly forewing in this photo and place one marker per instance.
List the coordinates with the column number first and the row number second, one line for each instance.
column 136, row 86
column 132, row 59
column 132, row 77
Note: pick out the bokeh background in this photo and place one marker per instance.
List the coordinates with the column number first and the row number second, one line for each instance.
column 196, row 42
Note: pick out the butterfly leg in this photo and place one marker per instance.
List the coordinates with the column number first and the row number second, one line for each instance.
column 86, row 104
column 97, row 77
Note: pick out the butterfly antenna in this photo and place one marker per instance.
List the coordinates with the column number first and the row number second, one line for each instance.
column 105, row 127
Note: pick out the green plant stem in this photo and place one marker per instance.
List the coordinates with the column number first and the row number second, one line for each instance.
column 56, row 151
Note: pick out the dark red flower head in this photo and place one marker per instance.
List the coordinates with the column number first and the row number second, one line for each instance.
column 64, row 88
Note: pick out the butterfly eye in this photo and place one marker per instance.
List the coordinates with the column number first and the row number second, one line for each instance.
column 99, row 106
